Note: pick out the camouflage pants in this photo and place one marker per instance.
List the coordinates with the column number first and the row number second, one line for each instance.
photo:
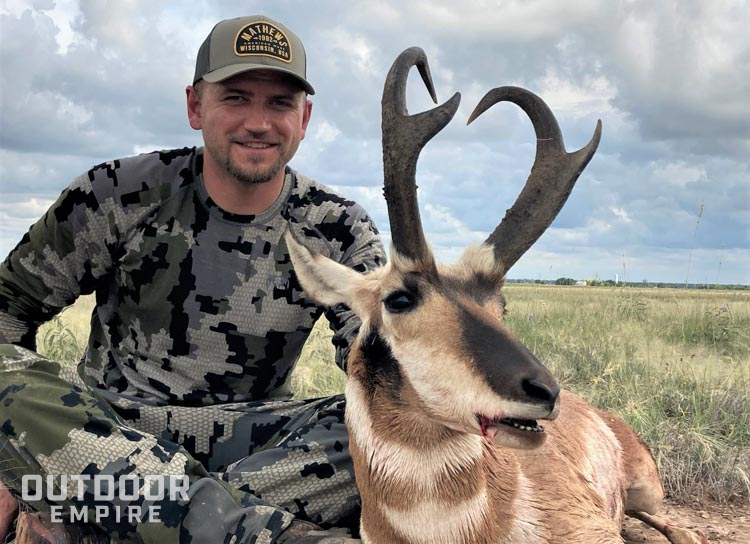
column 246, row 469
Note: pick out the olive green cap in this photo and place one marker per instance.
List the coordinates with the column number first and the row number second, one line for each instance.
column 249, row 43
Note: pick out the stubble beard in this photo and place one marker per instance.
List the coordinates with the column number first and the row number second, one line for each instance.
column 253, row 177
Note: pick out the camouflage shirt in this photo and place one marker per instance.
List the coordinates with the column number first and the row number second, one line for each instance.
column 194, row 305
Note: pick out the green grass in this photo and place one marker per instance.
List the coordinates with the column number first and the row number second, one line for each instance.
column 671, row 363
column 675, row 364
column 316, row 375
column 64, row 338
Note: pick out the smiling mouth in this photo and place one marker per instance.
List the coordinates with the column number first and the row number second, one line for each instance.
column 256, row 145
column 490, row 426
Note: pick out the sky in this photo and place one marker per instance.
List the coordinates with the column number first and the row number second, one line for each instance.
column 665, row 199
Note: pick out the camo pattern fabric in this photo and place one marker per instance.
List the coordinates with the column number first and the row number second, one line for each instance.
column 198, row 323
column 299, row 464
column 195, row 305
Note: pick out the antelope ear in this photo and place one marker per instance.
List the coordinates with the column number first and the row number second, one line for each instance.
column 326, row 281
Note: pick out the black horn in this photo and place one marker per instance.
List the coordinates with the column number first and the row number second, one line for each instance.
column 404, row 136
column 552, row 176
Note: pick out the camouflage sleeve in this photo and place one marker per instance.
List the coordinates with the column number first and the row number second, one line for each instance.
column 366, row 254
column 58, row 259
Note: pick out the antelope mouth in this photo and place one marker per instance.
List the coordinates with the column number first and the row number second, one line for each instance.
column 490, row 427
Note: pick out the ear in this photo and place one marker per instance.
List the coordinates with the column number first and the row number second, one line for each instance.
column 328, row 282
column 306, row 113
column 479, row 260
column 193, row 107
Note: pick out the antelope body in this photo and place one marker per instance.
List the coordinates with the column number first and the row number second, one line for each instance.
column 443, row 401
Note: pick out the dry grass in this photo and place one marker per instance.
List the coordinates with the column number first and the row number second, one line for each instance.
column 674, row 363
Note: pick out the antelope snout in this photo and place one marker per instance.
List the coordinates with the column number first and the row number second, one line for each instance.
column 540, row 391
column 547, row 394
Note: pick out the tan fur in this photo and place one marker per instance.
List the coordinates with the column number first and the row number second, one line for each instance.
column 640, row 475
column 559, row 504
column 424, row 471
column 477, row 260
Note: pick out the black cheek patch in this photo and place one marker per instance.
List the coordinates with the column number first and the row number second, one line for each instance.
column 380, row 366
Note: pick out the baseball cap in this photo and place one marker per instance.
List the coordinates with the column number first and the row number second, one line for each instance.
column 249, row 43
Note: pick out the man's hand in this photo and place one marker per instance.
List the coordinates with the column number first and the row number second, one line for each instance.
column 8, row 512
column 304, row 532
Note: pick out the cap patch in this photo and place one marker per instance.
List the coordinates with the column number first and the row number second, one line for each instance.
column 264, row 39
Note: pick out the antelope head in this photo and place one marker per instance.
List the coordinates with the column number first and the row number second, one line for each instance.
column 432, row 347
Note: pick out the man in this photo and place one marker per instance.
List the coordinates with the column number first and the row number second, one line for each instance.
column 199, row 320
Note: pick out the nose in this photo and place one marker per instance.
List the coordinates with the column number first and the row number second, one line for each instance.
column 540, row 391
column 257, row 119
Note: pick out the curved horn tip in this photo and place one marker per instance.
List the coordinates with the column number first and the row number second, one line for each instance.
column 420, row 61
column 597, row 133
column 478, row 110
column 591, row 147
column 411, row 56
column 506, row 93
column 416, row 56
column 424, row 71
column 414, row 51
column 491, row 97
column 398, row 74
column 453, row 102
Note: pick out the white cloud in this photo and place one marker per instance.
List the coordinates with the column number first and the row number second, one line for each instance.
column 17, row 214
column 507, row 21
column 577, row 99
column 148, row 148
column 349, row 52
column 326, row 132
column 445, row 229
column 64, row 15
column 100, row 81
column 621, row 214
column 370, row 198
column 677, row 173
column 678, row 67
column 25, row 207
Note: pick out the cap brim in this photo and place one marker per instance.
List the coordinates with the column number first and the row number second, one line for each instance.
column 225, row 72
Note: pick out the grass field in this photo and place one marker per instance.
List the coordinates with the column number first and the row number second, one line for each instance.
column 674, row 363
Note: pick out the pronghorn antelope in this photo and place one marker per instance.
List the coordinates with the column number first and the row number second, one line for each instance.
column 442, row 400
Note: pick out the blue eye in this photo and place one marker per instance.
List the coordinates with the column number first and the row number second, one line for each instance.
column 400, row 301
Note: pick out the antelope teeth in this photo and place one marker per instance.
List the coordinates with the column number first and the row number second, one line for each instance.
column 487, row 424
column 523, row 425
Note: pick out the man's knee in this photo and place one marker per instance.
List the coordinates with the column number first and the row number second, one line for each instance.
column 14, row 359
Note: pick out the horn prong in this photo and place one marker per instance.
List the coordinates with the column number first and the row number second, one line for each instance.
column 404, row 136
column 552, row 177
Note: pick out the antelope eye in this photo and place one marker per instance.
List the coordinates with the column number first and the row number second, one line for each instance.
column 400, row 301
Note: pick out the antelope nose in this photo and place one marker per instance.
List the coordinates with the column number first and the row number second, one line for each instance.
column 541, row 391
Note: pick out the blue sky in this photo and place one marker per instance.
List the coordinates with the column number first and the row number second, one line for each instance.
column 666, row 198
